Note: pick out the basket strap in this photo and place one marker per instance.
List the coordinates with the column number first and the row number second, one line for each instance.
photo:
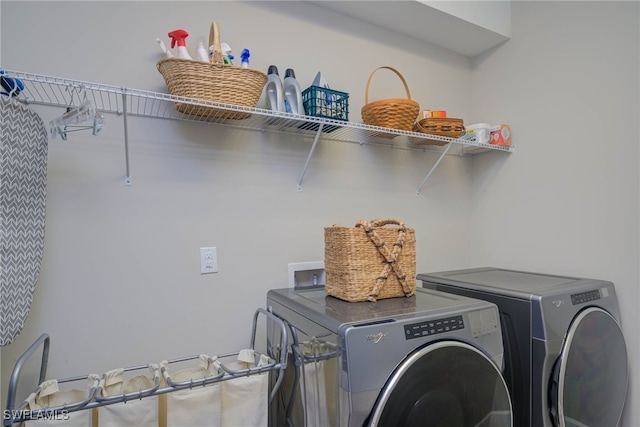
column 391, row 257
column 404, row 82
column 214, row 40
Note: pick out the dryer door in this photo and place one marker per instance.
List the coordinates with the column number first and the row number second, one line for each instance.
column 447, row 383
column 589, row 383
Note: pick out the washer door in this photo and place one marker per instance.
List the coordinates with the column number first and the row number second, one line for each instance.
column 447, row 383
column 589, row 383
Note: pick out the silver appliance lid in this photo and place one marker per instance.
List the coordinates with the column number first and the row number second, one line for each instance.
column 510, row 282
column 332, row 312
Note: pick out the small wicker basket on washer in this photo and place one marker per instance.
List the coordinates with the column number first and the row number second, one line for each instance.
column 369, row 262
column 215, row 81
column 395, row 113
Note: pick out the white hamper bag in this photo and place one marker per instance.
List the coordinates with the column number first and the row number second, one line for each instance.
column 245, row 398
column 197, row 406
column 319, row 382
column 49, row 395
column 133, row 412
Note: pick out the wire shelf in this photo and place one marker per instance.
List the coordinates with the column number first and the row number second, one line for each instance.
column 56, row 91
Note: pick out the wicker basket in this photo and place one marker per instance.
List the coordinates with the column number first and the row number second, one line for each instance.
column 370, row 261
column 453, row 128
column 225, row 84
column 395, row 113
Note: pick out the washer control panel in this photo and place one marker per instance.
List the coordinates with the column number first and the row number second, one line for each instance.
column 583, row 297
column 433, row 327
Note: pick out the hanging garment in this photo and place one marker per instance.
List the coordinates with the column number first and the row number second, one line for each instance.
column 23, row 183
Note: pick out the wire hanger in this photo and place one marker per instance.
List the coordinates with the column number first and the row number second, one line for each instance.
column 72, row 119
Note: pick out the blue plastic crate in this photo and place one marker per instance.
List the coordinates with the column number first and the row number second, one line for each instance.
column 327, row 103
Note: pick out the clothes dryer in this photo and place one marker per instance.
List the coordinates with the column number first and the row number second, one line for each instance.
column 433, row 359
column 565, row 354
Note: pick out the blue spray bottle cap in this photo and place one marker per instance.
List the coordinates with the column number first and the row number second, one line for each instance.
column 273, row 70
column 245, row 54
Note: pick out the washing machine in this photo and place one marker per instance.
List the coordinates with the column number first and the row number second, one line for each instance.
column 433, row 359
column 565, row 354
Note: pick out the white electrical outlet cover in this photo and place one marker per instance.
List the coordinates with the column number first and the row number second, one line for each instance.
column 208, row 260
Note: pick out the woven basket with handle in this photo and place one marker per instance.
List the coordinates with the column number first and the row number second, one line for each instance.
column 370, row 261
column 442, row 126
column 215, row 81
column 395, row 113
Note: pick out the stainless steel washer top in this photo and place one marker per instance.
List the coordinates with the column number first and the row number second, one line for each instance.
column 400, row 360
column 336, row 314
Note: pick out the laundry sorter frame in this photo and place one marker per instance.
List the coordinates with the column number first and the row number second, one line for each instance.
column 13, row 415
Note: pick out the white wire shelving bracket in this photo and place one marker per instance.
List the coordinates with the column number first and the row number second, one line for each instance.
column 53, row 91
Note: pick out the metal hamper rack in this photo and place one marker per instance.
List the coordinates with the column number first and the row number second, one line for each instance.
column 14, row 415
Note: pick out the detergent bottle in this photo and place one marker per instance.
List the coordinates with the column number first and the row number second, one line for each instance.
column 178, row 37
column 292, row 93
column 274, row 90
column 227, row 56
column 202, row 53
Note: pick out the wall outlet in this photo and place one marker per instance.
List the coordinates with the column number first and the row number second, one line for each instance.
column 208, row 260
column 305, row 274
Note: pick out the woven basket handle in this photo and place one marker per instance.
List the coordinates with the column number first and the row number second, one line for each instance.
column 391, row 257
column 214, row 40
column 404, row 82
column 387, row 221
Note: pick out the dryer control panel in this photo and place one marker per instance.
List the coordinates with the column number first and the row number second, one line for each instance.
column 583, row 297
column 433, row 327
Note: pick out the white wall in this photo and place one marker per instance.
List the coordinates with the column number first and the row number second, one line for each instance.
column 494, row 15
column 120, row 282
column 566, row 201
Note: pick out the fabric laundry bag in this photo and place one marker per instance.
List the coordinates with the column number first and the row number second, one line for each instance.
column 132, row 412
column 245, row 398
column 199, row 406
column 319, row 382
column 49, row 395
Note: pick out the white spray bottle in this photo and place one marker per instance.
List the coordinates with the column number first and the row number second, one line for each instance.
column 274, row 90
column 202, row 53
column 178, row 37
column 292, row 93
column 167, row 52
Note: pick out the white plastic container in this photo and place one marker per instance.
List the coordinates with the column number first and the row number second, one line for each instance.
column 202, row 53
column 481, row 132
column 273, row 87
column 167, row 52
column 292, row 93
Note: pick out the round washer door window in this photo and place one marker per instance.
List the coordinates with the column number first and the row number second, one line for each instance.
column 589, row 387
column 448, row 384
